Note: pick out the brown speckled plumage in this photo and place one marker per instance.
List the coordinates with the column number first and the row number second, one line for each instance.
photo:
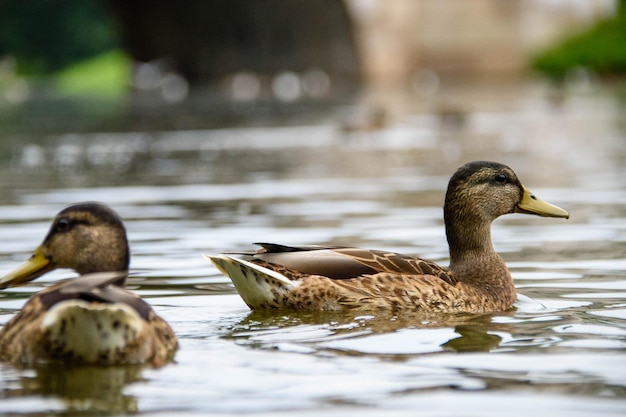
column 90, row 319
column 336, row 278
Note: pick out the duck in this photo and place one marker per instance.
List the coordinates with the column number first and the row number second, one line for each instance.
column 366, row 118
column 336, row 278
column 90, row 319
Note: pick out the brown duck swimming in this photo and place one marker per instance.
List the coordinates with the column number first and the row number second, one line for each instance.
column 335, row 278
column 90, row 319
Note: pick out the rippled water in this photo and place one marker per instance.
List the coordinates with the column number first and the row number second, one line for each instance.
column 562, row 351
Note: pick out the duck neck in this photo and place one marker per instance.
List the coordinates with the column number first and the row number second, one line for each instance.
column 468, row 238
column 114, row 256
column 472, row 253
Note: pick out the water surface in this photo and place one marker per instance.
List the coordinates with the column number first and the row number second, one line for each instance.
column 561, row 351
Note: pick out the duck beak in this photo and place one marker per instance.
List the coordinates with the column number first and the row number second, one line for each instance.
column 533, row 205
column 37, row 265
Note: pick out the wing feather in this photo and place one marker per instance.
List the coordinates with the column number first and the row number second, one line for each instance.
column 342, row 263
column 99, row 287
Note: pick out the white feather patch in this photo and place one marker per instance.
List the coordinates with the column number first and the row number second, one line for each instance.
column 92, row 330
column 256, row 284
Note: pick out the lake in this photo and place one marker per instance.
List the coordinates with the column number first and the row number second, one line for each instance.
column 311, row 174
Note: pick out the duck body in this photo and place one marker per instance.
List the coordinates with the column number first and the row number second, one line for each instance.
column 88, row 320
column 91, row 319
column 379, row 280
column 336, row 278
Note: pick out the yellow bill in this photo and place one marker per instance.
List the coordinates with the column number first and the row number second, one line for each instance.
column 37, row 265
column 533, row 205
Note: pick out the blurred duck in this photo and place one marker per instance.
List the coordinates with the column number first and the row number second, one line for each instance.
column 364, row 119
column 90, row 319
column 336, row 278
column 451, row 113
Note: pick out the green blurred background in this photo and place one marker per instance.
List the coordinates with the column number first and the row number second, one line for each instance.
column 92, row 47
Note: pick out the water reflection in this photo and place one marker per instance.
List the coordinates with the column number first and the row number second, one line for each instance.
column 84, row 390
column 473, row 339
column 379, row 334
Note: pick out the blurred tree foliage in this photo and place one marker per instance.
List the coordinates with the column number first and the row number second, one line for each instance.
column 601, row 49
column 47, row 35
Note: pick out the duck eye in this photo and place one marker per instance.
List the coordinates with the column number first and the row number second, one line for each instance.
column 63, row 225
column 502, row 179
